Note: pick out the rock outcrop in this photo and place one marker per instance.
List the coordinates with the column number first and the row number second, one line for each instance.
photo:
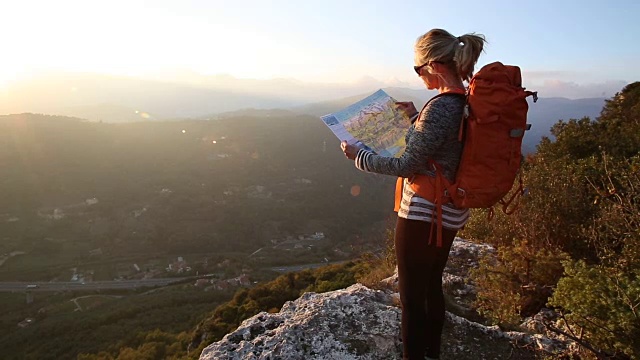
column 353, row 323
column 361, row 323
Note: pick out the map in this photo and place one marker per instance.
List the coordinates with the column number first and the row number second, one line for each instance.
column 373, row 123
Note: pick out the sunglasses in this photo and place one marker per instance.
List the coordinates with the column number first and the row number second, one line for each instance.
column 418, row 68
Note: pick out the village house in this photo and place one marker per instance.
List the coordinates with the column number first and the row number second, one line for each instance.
column 26, row 322
column 179, row 266
column 202, row 282
column 242, row 280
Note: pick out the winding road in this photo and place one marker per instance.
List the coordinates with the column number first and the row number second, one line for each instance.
column 15, row 286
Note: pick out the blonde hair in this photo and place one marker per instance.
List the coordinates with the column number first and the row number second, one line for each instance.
column 460, row 52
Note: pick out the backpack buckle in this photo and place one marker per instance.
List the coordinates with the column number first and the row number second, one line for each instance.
column 461, row 192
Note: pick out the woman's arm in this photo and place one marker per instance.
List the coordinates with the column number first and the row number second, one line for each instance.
column 428, row 135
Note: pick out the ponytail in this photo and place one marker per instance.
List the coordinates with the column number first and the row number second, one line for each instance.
column 468, row 50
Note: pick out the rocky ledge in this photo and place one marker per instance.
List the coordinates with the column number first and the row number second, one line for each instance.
column 361, row 323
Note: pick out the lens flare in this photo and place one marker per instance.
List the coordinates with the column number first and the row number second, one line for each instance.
column 355, row 190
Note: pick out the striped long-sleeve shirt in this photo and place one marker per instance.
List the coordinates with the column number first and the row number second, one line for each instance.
column 433, row 136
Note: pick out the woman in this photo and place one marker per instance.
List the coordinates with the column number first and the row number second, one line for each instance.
column 443, row 62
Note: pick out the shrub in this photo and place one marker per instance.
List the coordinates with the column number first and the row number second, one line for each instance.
column 601, row 304
column 602, row 301
column 516, row 282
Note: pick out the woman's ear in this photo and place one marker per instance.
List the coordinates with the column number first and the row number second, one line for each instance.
column 435, row 68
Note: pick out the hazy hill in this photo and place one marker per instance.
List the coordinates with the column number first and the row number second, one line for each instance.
column 233, row 184
column 109, row 112
column 75, row 94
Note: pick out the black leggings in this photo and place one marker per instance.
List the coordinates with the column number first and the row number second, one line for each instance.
column 420, row 267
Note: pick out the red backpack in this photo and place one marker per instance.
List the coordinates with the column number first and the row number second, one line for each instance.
column 492, row 130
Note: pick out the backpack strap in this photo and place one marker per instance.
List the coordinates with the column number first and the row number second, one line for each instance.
column 439, row 199
column 399, row 191
column 465, row 112
column 452, row 92
column 441, row 184
column 516, row 196
column 437, row 188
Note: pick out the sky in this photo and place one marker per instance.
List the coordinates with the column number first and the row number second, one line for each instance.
column 562, row 43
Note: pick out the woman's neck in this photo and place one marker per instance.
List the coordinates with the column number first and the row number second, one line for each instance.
column 451, row 85
column 456, row 89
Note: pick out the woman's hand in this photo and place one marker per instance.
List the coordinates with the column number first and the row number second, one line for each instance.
column 350, row 151
column 407, row 108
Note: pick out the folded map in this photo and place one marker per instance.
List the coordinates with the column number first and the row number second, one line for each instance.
column 373, row 122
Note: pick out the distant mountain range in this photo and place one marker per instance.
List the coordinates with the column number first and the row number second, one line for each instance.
column 542, row 115
column 548, row 111
column 115, row 99
column 122, row 99
column 108, row 98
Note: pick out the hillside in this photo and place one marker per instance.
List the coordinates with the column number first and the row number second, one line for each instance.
column 159, row 189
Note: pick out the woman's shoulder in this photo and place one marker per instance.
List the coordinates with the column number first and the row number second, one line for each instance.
column 441, row 100
column 443, row 105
